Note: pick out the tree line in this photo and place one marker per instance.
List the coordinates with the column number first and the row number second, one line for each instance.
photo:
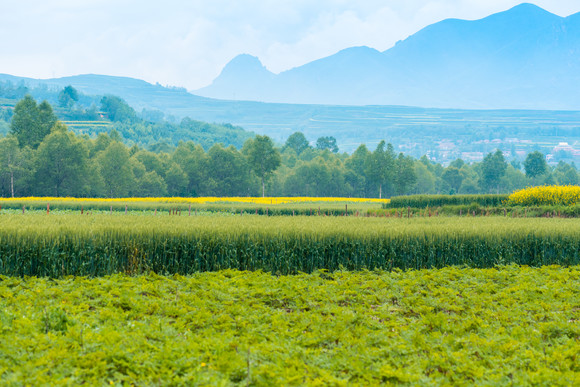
column 41, row 157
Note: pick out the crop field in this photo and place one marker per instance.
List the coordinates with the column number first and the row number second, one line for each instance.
column 237, row 205
column 197, row 200
column 155, row 292
column 542, row 201
column 507, row 325
column 560, row 195
column 60, row 243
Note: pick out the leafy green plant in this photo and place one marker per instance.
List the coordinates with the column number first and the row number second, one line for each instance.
column 507, row 325
column 54, row 320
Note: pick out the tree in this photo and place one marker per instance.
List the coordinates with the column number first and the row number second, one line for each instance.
column 32, row 123
column 46, row 118
column 404, row 177
column 513, row 179
column 457, row 163
column 61, row 163
column 453, row 177
column 309, row 178
column 99, row 144
column 425, row 180
column 566, row 174
column 262, row 157
column 115, row 169
column 117, row 109
column 176, row 180
column 380, row 166
column 535, row 164
column 516, row 164
column 194, row 162
column 151, row 185
column 67, row 97
column 228, row 170
column 471, row 180
column 11, row 160
column 327, row 143
column 152, row 161
column 25, row 120
column 357, row 164
column 298, row 142
column 493, row 168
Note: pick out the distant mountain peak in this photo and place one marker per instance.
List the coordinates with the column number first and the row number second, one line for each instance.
column 359, row 50
column 243, row 74
column 244, row 63
column 527, row 7
column 524, row 11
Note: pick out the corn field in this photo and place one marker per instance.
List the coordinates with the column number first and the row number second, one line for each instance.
column 56, row 245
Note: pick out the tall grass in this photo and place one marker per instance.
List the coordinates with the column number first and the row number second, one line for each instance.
column 99, row 244
column 424, row 201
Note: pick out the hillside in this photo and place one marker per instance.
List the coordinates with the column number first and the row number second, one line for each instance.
column 149, row 127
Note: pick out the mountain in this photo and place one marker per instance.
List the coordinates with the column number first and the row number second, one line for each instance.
column 523, row 58
column 240, row 76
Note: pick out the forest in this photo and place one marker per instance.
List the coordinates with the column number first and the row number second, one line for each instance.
column 41, row 156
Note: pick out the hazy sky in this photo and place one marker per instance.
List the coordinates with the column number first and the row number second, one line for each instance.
column 187, row 43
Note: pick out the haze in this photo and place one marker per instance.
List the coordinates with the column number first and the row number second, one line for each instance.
column 187, row 43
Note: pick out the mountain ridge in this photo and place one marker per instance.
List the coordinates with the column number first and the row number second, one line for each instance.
column 521, row 58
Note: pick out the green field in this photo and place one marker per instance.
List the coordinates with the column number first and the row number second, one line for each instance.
column 95, row 244
column 163, row 206
column 508, row 325
column 231, row 298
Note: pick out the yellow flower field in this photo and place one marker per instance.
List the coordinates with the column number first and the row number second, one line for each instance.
column 200, row 200
column 546, row 195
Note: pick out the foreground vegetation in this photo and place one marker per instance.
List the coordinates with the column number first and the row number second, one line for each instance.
column 501, row 326
column 96, row 244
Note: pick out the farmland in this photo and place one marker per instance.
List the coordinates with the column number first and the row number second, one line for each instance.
column 61, row 243
column 507, row 325
column 204, row 205
column 210, row 291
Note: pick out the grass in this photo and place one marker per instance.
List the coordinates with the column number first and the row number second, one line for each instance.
column 434, row 201
column 95, row 244
column 507, row 325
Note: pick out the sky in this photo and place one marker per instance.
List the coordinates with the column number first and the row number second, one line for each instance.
column 187, row 43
